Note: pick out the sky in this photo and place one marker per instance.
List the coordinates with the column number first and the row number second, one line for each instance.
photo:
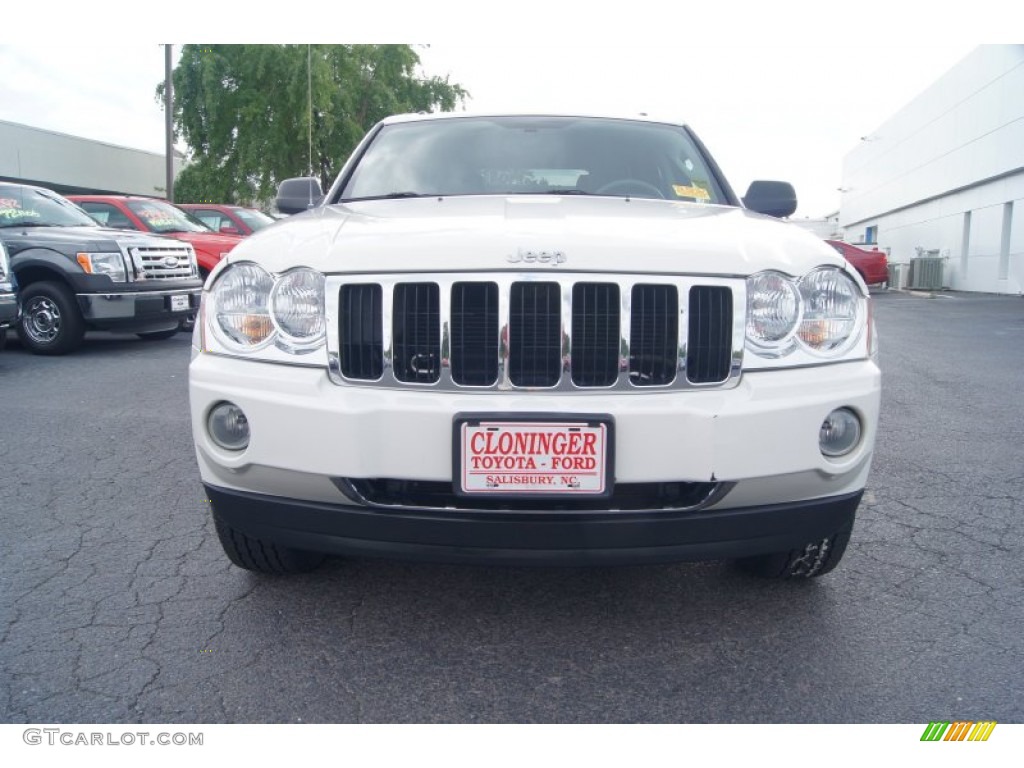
column 769, row 98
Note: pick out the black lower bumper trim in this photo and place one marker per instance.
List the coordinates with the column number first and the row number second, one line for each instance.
column 534, row 538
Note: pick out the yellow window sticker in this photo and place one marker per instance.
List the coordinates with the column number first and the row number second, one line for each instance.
column 695, row 192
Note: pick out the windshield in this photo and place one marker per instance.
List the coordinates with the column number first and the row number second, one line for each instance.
column 30, row 206
column 533, row 155
column 161, row 217
column 255, row 219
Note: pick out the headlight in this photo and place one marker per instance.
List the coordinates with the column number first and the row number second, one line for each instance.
column 241, row 307
column 250, row 310
column 773, row 310
column 831, row 309
column 821, row 314
column 297, row 307
column 109, row 264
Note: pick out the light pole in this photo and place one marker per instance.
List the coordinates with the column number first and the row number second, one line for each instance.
column 169, row 123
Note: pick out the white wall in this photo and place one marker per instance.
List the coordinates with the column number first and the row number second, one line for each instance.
column 939, row 225
column 33, row 154
column 956, row 148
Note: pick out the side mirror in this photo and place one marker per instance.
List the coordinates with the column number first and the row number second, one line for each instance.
column 298, row 195
column 772, row 198
column 229, row 229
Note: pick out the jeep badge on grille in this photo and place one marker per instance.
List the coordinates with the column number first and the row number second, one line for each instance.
column 523, row 256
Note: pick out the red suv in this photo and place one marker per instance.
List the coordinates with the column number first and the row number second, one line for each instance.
column 228, row 219
column 872, row 265
column 159, row 217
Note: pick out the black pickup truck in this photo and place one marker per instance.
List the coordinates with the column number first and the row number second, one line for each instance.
column 74, row 275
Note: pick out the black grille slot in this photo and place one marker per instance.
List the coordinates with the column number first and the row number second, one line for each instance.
column 418, row 494
column 474, row 350
column 654, row 335
column 595, row 334
column 709, row 345
column 417, row 332
column 361, row 331
column 535, row 334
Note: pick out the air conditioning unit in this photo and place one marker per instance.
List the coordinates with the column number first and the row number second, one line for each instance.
column 898, row 275
column 925, row 274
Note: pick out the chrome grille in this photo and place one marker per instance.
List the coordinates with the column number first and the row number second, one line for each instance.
column 526, row 331
column 170, row 262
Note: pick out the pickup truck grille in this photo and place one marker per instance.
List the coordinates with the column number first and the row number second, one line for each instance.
column 169, row 262
column 511, row 332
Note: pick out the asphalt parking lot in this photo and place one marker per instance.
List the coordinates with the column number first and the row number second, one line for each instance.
column 117, row 604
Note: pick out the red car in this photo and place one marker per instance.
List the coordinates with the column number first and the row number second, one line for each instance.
column 872, row 265
column 159, row 217
column 228, row 219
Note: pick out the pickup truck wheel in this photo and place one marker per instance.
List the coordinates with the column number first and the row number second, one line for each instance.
column 263, row 556
column 816, row 558
column 157, row 335
column 51, row 323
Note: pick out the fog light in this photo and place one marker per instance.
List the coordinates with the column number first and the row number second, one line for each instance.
column 840, row 432
column 228, row 426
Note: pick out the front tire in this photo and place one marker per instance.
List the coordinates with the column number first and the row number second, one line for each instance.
column 261, row 555
column 51, row 322
column 815, row 558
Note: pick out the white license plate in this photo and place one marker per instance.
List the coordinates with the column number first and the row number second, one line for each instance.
column 178, row 303
column 552, row 458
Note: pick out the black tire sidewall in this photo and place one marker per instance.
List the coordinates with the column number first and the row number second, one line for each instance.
column 72, row 328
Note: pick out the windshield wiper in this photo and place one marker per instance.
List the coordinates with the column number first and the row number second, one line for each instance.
column 28, row 224
column 388, row 196
column 569, row 191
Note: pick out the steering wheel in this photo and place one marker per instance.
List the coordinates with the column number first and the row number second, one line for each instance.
column 623, row 187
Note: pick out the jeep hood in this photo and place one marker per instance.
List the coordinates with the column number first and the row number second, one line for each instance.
column 481, row 233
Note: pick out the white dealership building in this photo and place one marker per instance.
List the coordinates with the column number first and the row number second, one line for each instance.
column 944, row 177
column 74, row 165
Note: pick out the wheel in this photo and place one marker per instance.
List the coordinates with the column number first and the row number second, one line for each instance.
column 816, row 558
column 158, row 335
column 51, row 322
column 622, row 187
column 263, row 556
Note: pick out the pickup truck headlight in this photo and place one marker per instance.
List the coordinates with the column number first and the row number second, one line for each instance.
column 109, row 264
column 251, row 310
column 799, row 320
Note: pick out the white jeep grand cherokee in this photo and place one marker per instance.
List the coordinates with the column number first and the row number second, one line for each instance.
column 535, row 339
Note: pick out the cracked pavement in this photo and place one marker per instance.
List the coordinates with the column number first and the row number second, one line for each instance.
column 117, row 604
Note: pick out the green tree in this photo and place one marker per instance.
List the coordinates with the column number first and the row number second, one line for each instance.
column 244, row 111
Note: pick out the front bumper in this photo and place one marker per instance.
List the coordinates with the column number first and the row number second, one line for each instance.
column 8, row 309
column 138, row 310
column 538, row 538
column 760, row 439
